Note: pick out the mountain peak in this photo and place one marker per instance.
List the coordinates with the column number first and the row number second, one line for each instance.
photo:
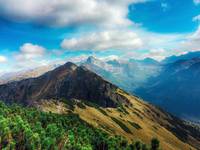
column 68, row 81
column 114, row 62
column 91, row 59
column 145, row 61
column 70, row 65
column 187, row 56
column 149, row 61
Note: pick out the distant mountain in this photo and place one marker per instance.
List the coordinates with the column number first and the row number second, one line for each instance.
column 153, row 81
column 115, row 63
column 176, row 89
column 108, row 71
column 75, row 89
column 30, row 73
column 128, row 75
column 186, row 56
column 146, row 61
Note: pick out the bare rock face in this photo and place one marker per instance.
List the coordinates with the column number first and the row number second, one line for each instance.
column 68, row 81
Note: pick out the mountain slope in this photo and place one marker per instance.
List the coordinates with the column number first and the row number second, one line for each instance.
column 67, row 81
column 31, row 73
column 186, row 56
column 21, row 130
column 70, row 88
column 166, row 85
column 140, row 120
column 128, row 75
column 178, row 85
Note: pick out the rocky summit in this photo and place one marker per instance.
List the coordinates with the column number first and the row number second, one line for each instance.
column 68, row 81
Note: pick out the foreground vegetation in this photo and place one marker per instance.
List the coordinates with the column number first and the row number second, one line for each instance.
column 28, row 128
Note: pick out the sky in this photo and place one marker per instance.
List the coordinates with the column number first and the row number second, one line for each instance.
column 41, row 32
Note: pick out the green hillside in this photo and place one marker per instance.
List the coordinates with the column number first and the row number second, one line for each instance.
column 28, row 128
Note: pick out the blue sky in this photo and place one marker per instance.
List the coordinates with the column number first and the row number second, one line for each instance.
column 35, row 32
column 166, row 16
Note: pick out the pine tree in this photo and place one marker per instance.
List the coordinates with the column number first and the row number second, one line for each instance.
column 155, row 144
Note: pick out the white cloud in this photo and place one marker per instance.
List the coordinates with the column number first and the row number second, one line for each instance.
column 67, row 12
column 157, row 40
column 105, row 40
column 157, row 54
column 30, row 51
column 155, row 45
column 3, row 59
column 30, row 56
column 76, row 59
column 192, row 42
column 138, row 43
column 196, row 2
column 109, row 57
column 196, row 18
column 106, row 13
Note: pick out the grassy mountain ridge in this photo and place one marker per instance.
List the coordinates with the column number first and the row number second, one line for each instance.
column 29, row 128
column 139, row 121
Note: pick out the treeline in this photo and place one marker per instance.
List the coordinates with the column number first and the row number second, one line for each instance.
column 24, row 128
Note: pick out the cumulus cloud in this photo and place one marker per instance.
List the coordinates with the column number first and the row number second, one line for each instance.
column 157, row 54
column 30, row 56
column 3, row 59
column 106, row 13
column 157, row 46
column 105, row 40
column 137, row 44
column 157, row 40
column 196, row 18
column 76, row 59
column 67, row 12
column 192, row 42
column 30, row 51
column 109, row 57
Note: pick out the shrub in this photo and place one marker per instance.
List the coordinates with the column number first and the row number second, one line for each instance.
column 123, row 126
column 135, row 125
column 155, row 144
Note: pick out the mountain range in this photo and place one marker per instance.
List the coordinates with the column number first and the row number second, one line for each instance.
column 24, row 74
column 176, row 89
column 172, row 84
column 186, row 56
column 128, row 75
column 72, row 88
